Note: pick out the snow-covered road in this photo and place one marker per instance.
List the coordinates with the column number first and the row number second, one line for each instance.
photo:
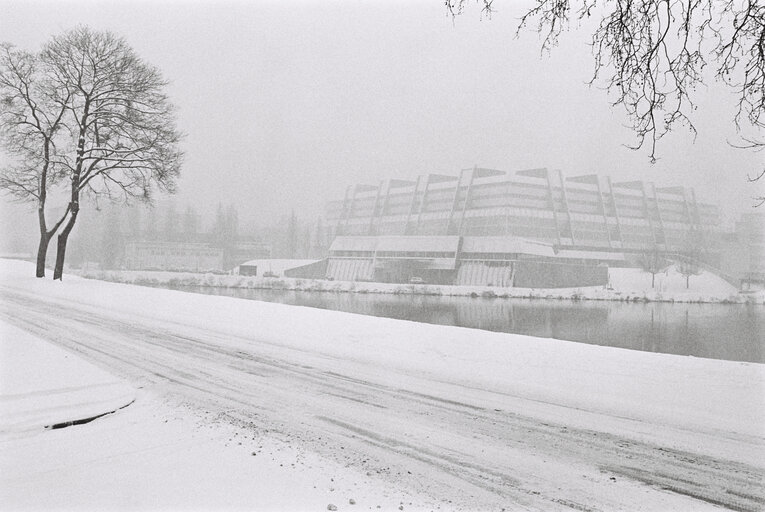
column 469, row 447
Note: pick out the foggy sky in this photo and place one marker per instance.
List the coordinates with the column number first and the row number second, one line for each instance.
column 286, row 103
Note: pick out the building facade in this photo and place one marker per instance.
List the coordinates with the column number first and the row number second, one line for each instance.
column 743, row 257
column 190, row 256
column 175, row 256
column 491, row 216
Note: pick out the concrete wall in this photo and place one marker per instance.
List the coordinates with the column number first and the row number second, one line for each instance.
column 483, row 273
column 316, row 270
column 350, row 269
column 535, row 274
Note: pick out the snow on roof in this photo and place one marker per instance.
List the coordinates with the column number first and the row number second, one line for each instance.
column 504, row 244
column 354, row 243
column 591, row 255
column 418, row 243
column 276, row 265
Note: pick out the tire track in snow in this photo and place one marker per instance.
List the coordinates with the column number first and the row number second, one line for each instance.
column 494, row 454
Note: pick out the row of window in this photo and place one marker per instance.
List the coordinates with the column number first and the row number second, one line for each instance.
column 502, row 188
column 489, row 256
column 352, row 254
column 415, row 254
column 444, row 210
column 156, row 252
column 440, row 203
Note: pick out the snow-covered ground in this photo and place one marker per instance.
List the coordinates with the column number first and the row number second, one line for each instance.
column 153, row 456
column 625, row 284
column 42, row 385
column 453, row 417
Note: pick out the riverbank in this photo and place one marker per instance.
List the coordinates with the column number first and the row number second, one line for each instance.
column 625, row 285
column 460, row 418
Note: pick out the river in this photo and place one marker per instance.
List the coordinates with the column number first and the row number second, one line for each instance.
column 734, row 332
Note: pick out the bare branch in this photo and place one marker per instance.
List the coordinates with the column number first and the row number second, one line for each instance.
column 651, row 55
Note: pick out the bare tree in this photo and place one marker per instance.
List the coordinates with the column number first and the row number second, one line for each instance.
column 30, row 124
column 120, row 119
column 102, row 119
column 688, row 263
column 651, row 55
column 653, row 263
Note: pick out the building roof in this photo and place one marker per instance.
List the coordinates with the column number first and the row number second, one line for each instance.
column 277, row 265
column 506, row 244
column 591, row 255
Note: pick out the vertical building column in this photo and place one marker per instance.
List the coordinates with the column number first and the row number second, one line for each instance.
column 384, row 206
column 647, row 213
column 373, row 217
column 658, row 214
column 603, row 212
column 697, row 218
column 551, row 198
column 423, row 204
column 703, row 234
column 347, row 206
column 467, row 200
column 415, row 192
column 456, row 199
column 616, row 212
column 565, row 203
column 688, row 215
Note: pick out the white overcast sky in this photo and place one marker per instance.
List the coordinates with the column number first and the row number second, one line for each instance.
column 286, row 103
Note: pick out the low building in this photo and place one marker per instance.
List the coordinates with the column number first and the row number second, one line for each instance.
column 268, row 267
column 487, row 261
column 203, row 254
column 175, row 256
column 247, row 249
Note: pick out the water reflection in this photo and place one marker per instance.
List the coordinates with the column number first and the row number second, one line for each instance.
column 718, row 331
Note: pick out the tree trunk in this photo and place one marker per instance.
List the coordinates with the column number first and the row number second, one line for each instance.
column 42, row 252
column 58, row 270
column 653, row 278
column 687, row 281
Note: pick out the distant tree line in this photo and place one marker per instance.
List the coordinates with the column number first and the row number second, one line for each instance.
column 103, row 238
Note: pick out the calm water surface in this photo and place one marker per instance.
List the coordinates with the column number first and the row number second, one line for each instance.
column 734, row 332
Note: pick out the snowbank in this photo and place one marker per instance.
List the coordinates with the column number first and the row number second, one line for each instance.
column 670, row 283
column 42, row 385
column 626, row 284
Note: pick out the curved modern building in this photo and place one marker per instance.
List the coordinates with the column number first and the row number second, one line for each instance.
column 486, row 226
